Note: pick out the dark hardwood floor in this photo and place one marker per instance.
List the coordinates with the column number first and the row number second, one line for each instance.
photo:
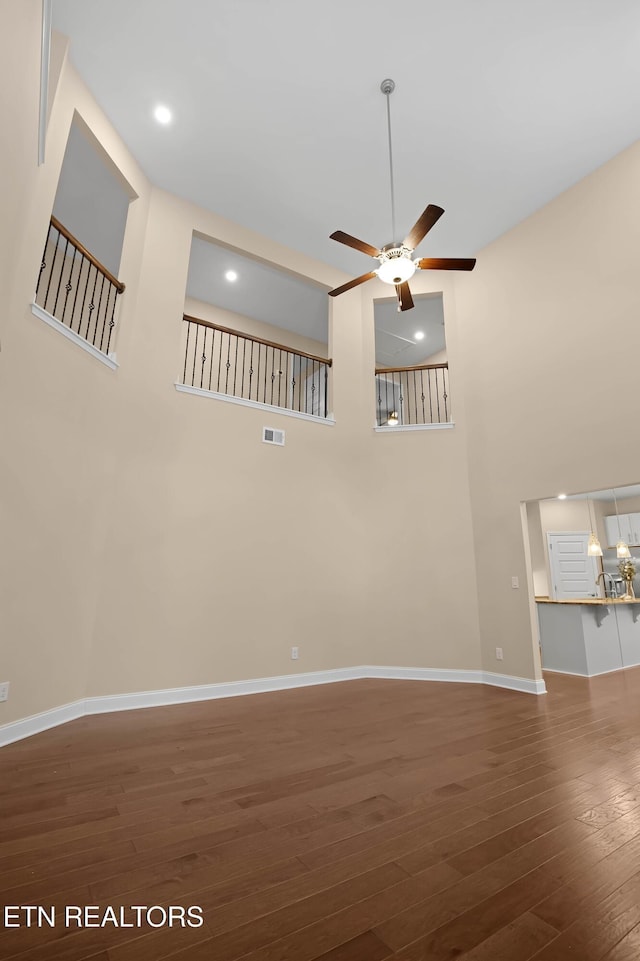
column 359, row 821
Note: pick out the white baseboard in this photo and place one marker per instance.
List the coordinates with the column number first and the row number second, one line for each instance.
column 36, row 723
column 17, row 730
column 109, row 360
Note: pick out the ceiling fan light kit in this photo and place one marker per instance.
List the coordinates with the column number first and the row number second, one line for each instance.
column 397, row 266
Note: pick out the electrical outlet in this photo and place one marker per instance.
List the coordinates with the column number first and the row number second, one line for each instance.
column 294, row 654
column 4, row 691
column 515, row 582
column 499, row 655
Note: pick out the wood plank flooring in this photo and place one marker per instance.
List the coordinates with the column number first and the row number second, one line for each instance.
column 360, row 821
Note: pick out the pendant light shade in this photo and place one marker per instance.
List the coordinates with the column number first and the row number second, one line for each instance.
column 622, row 548
column 593, row 547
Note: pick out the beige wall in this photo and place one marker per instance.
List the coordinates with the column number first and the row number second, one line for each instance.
column 536, row 370
column 154, row 540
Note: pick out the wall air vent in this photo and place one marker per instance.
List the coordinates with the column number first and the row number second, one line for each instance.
column 272, row 436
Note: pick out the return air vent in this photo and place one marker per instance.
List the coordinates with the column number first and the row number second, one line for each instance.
column 272, row 436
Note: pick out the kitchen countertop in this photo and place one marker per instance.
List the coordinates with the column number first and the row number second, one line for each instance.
column 598, row 601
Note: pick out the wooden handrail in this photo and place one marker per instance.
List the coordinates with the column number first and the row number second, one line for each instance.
column 400, row 370
column 85, row 253
column 258, row 340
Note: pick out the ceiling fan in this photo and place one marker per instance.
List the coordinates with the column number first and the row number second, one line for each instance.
column 396, row 263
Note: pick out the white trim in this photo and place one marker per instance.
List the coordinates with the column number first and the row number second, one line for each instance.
column 404, row 427
column 36, row 723
column 243, row 402
column 45, row 57
column 525, row 685
column 109, row 360
column 26, row 727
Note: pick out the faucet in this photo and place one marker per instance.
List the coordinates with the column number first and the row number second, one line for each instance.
column 611, row 591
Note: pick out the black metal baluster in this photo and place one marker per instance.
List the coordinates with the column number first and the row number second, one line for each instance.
column 68, row 287
column 401, row 398
column 445, row 383
column 204, row 357
column 235, row 367
column 273, row 372
column 251, row 370
column 326, row 388
column 75, row 296
column 64, row 257
column 213, row 342
column 43, row 263
column 195, row 351
column 92, row 304
column 53, row 263
column 112, row 324
column 244, row 363
column 438, row 396
column 430, row 397
column 186, row 353
column 415, row 396
column 84, row 297
column 293, row 382
column 110, row 289
column 301, row 383
column 228, row 365
column 279, row 373
column 314, row 387
column 266, row 364
column 422, row 396
column 95, row 330
column 379, row 395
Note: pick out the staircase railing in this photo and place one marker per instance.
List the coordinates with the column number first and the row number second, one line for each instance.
column 226, row 361
column 413, row 395
column 75, row 288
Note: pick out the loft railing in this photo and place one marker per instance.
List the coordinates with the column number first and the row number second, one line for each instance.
column 413, row 395
column 75, row 288
column 226, row 361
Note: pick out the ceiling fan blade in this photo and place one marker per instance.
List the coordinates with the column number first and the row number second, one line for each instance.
column 447, row 263
column 350, row 241
column 405, row 300
column 423, row 225
column 352, row 283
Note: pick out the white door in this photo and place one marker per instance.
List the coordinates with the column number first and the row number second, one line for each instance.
column 573, row 572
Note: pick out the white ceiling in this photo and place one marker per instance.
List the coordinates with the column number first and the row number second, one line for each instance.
column 279, row 123
column 633, row 490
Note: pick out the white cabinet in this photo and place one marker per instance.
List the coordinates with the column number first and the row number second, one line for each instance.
column 629, row 530
column 634, row 523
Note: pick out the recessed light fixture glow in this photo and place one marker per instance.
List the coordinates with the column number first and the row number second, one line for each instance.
column 419, row 335
column 562, row 497
column 231, row 276
column 162, row 114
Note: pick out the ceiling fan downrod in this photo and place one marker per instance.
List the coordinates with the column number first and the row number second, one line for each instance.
column 387, row 87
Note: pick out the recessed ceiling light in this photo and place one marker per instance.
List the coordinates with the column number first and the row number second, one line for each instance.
column 562, row 497
column 231, row 275
column 162, row 114
column 419, row 335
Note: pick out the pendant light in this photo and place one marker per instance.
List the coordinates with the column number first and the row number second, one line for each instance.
column 622, row 548
column 593, row 547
